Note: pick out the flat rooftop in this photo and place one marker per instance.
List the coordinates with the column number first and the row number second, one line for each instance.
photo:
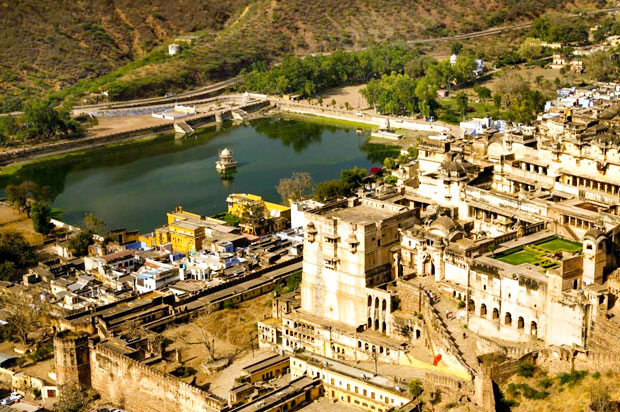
column 270, row 401
column 265, row 363
column 366, row 212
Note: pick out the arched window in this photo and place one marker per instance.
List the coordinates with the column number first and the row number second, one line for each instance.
column 533, row 329
column 495, row 313
column 417, row 333
column 383, row 327
column 520, row 323
column 369, row 301
column 508, row 319
column 369, row 323
column 384, row 305
column 376, row 303
column 376, row 324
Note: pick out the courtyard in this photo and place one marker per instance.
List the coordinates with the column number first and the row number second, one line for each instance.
column 540, row 253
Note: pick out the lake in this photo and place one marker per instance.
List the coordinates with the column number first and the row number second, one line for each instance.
column 133, row 185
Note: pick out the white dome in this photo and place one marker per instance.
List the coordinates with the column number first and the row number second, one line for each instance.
column 225, row 153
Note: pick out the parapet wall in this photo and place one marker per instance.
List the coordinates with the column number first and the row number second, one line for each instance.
column 140, row 388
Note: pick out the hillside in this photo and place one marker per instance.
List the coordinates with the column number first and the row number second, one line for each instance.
column 46, row 46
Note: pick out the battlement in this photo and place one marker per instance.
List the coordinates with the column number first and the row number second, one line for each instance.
column 115, row 375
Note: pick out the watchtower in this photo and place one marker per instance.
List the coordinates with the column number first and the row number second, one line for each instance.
column 72, row 359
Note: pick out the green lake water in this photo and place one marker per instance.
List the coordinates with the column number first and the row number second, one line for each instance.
column 134, row 185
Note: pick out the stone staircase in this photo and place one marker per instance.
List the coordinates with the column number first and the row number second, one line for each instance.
column 464, row 347
column 239, row 114
column 183, row 127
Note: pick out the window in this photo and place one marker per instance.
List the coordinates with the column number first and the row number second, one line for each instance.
column 365, row 392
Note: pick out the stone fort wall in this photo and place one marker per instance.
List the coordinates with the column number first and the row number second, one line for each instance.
column 140, row 388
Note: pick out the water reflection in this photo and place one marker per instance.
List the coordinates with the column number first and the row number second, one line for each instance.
column 133, row 185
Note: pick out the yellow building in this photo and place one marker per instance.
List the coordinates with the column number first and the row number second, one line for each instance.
column 186, row 236
column 278, row 215
column 185, row 231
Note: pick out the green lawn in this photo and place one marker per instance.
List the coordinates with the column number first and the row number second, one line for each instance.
column 521, row 256
column 480, row 109
column 539, row 254
column 557, row 243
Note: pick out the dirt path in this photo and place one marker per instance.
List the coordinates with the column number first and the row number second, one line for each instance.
column 12, row 221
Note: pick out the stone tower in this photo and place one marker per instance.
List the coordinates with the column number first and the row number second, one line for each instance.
column 72, row 358
column 594, row 256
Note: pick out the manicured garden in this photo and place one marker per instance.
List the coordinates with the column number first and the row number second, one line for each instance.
column 539, row 254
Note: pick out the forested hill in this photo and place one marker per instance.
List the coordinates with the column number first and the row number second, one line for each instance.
column 47, row 45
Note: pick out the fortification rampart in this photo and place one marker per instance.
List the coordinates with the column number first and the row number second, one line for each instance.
column 140, row 388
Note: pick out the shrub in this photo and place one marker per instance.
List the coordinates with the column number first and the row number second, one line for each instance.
column 596, row 375
column 526, row 369
column 572, row 378
column 516, row 389
column 461, row 304
column 545, row 382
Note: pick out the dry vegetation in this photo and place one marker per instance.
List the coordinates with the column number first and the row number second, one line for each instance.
column 13, row 221
column 568, row 397
column 47, row 46
column 232, row 329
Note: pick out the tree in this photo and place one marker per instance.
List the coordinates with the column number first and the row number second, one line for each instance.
column 531, row 49
column 483, row 92
column 18, row 195
column 327, row 190
column 93, row 224
column 15, row 255
column 456, row 47
column 78, row 244
column 464, row 69
column 601, row 66
column 40, row 213
column 351, row 179
column 600, row 401
column 203, row 323
column 24, row 317
column 497, row 101
column 253, row 214
column 298, row 187
column 389, row 163
column 415, row 388
column 42, row 120
column 461, row 102
column 8, row 127
column 73, row 399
